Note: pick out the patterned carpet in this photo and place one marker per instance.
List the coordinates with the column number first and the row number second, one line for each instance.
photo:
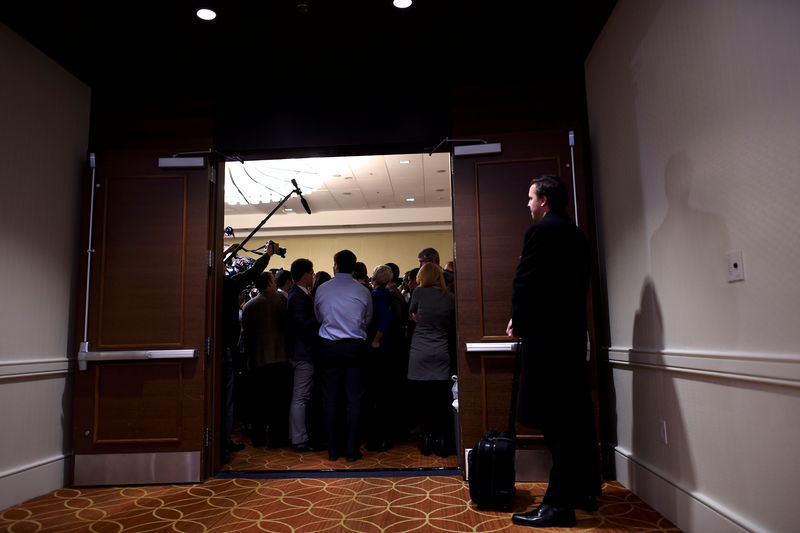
column 368, row 505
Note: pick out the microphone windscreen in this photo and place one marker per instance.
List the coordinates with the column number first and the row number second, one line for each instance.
column 305, row 205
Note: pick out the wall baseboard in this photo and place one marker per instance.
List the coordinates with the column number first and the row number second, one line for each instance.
column 687, row 510
column 31, row 481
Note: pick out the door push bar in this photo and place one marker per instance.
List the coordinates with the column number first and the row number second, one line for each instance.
column 492, row 347
column 84, row 355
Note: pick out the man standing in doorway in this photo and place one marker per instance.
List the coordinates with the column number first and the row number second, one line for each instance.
column 232, row 287
column 301, row 341
column 548, row 311
column 344, row 308
column 263, row 336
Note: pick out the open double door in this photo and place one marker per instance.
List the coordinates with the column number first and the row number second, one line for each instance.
column 144, row 399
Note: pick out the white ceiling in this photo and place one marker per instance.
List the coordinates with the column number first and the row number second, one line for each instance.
column 362, row 193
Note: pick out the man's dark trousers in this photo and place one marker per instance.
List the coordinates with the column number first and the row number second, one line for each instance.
column 341, row 372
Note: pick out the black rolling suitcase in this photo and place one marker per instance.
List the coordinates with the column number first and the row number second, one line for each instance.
column 492, row 475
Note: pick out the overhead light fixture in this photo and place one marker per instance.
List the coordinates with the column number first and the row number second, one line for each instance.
column 266, row 181
column 404, row 162
column 206, row 14
column 411, row 199
column 401, row 4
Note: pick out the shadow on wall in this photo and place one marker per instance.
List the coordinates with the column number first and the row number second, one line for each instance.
column 659, row 441
column 693, row 310
column 687, row 260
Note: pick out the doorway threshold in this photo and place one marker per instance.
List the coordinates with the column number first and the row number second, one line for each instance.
column 330, row 473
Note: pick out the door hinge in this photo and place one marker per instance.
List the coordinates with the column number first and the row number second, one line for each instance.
column 212, row 173
column 209, row 346
column 207, row 437
column 210, row 261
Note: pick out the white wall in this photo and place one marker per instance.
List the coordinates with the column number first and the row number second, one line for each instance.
column 44, row 126
column 694, row 110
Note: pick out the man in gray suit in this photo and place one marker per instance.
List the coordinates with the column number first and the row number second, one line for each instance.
column 301, row 343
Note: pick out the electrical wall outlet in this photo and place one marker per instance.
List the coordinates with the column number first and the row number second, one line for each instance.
column 735, row 265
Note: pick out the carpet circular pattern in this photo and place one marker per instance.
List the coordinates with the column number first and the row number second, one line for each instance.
column 364, row 505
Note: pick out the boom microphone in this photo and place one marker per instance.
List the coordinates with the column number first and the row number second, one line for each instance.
column 302, row 200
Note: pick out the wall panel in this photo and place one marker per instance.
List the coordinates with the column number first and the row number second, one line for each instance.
column 43, row 155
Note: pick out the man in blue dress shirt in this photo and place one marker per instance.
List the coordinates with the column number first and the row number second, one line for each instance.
column 344, row 308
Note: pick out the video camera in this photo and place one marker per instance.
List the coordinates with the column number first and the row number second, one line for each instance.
column 278, row 251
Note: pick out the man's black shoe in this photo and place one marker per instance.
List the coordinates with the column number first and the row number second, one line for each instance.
column 588, row 504
column 545, row 516
column 305, row 447
column 353, row 457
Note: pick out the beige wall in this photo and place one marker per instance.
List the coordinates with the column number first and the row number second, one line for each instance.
column 695, row 120
column 372, row 249
column 44, row 126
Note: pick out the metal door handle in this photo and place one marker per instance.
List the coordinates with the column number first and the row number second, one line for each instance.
column 492, row 347
column 132, row 355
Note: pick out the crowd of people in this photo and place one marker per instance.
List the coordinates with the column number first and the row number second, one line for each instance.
column 321, row 361
column 366, row 349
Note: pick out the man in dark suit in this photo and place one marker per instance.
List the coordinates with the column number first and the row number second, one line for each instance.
column 548, row 311
column 300, row 347
column 264, row 339
column 232, row 287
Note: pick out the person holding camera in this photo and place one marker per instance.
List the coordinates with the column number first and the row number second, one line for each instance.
column 232, row 287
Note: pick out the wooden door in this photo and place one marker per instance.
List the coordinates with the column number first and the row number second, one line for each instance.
column 139, row 406
column 490, row 217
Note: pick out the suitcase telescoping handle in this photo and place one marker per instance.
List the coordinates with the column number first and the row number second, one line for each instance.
column 512, row 412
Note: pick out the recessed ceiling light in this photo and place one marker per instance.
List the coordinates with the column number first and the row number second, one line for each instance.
column 439, row 190
column 206, row 14
column 411, row 200
column 402, row 4
column 347, row 193
column 440, row 171
column 288, row 209
column 404, row 162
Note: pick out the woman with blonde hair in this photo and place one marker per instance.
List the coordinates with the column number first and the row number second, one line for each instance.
column 432, row 307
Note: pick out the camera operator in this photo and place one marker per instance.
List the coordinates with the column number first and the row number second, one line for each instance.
column 231, row 287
